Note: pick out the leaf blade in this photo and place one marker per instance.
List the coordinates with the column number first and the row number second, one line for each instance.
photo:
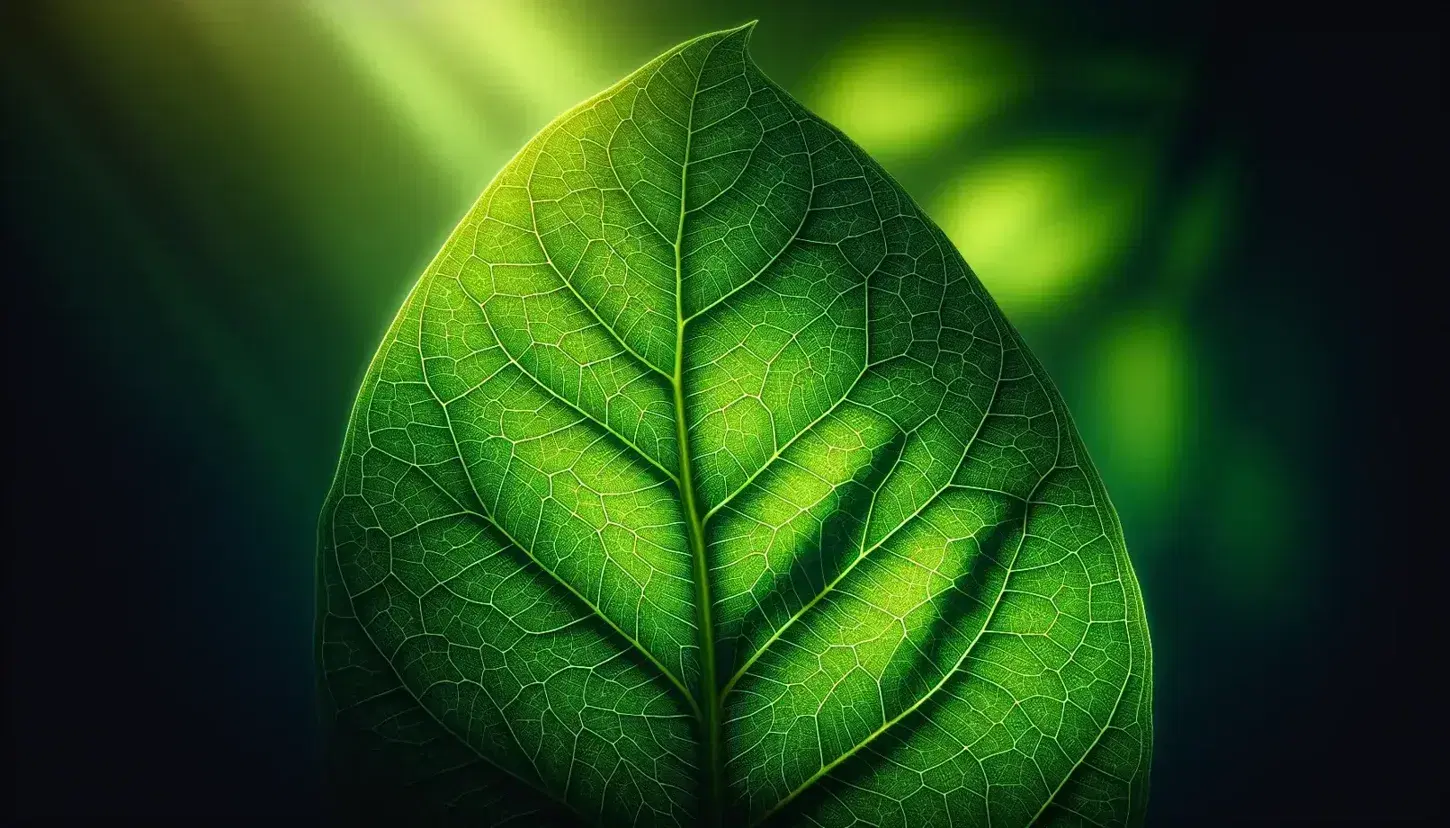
column 776, row 502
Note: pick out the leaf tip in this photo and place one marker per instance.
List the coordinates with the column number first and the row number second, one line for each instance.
column 746, row 29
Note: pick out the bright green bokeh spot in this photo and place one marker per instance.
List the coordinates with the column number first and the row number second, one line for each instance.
column 1140, row 390
column 902, row 89
column 1041, row 224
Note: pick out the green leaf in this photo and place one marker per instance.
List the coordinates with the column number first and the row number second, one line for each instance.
column 699, row 481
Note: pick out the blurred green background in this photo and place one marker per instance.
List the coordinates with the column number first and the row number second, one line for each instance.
column 215, row 208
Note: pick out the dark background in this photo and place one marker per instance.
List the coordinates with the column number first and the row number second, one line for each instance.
column 178, row 375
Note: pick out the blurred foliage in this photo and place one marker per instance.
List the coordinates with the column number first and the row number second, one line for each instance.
column 903, row 90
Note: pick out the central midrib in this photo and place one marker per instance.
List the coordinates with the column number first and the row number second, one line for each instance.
column 709, row 695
